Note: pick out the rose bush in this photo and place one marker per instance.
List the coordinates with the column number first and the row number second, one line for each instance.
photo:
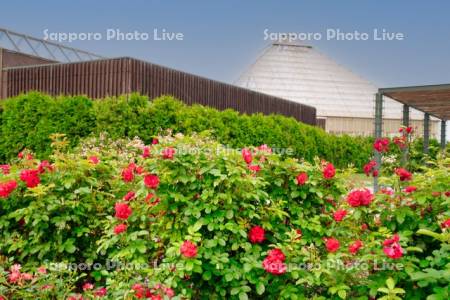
column 186, row 217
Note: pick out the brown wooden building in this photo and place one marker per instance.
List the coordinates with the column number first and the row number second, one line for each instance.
column 112, row 77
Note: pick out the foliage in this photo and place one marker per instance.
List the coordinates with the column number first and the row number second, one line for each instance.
column 28, row 120
column 187, row 217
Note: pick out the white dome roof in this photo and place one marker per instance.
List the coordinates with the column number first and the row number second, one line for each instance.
column 302, row 74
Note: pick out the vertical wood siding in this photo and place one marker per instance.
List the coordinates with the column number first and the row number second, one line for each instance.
column 113, row 77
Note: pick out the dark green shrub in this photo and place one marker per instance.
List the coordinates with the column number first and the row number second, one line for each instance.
column 28, row 120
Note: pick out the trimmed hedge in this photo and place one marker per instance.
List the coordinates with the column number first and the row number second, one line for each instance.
column 28, row 120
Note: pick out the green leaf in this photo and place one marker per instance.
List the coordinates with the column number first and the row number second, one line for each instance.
column 189, row 265
column 390, row 283
column 383, row 290
column 207, row 275
column 243, row 296
column 342, row 294
column 260, row 288
column 196, row 227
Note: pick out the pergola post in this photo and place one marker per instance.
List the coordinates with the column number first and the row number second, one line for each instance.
column 426, row 133
column 443, row 134
column 378, row 133
column 405, row 115
column 405, row 122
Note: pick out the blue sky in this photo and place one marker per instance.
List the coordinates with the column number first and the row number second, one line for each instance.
column 221, row 38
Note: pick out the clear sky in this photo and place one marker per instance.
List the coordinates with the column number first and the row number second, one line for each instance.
column 221, row 38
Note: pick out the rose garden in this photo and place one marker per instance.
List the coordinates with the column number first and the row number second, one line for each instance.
column 137, row 204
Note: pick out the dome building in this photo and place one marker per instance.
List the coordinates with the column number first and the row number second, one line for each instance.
column 344, row 101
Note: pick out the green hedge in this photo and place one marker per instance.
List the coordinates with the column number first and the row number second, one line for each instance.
column 28, row 120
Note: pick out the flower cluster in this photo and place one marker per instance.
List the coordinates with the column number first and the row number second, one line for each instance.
column 157, row 293
column 247, row 155
column 302, row 178
column 188, row 249
column 16, row 277
column 168, row 153
column 6, row 188
column 256, row 234
column 381, row 145
column 123, row 211
column 274, row 262
column 5, row 169
column 30, row 177
column 392, row 247
column 332, row 244
column 403, row 174
column 329, row 171
column 339, row 215
column 151, row 181
column 370, row 168
column 361, row 197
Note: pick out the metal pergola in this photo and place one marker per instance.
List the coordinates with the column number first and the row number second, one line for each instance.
column 41, row 48
column 432, row 100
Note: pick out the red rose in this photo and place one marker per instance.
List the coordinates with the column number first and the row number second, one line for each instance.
column 129, row 196
column 392, row 247
column 387, row 191
column 276, row 254
column 400, row 141
column 447, row 194
column 359, row 198
column 169, row 292
column 339, row 215
column 155, row 141
column 265, row 148
column 364, row 227
column 6, row 188
column 369, row 168
column 410, row 189
column 94, row 160
column 381, row 145
column 101, row 292
column 403, row 174
column 329, row 171
column 30, row 177
column 128, row 174
column 13, row 277
column 5, row 169
column 139, row 170
column 302, row 178
column 395, row 251
column 88, row 286
column 168, row 153
column 256, row 234
column 120, row 228
column 332, row 244
column 188, row 249
column 299, row 233
column 275, row 267
column 247, row 155
column 151, row 181
column 436, row 194
column 254, row 168
column 146, row 152
column 355, row 246
column 45, row 166
column 445, row 224
column 408, row 130
column 123, row 211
